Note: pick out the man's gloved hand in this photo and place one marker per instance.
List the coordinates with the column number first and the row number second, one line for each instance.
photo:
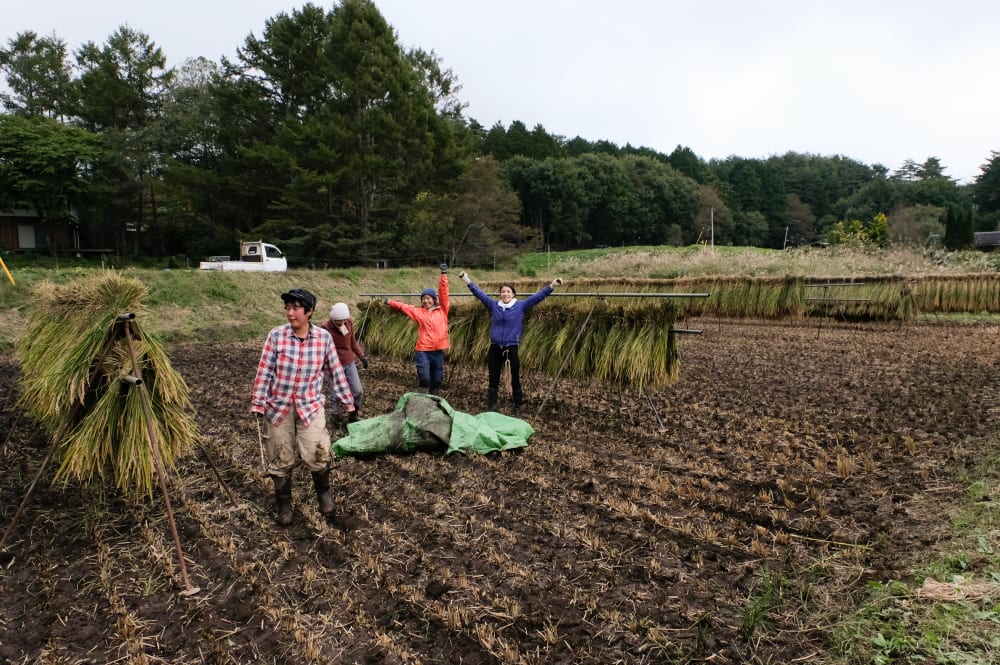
column 364, row 361
column 386, row 301
column 353, row 417
column 556, row 282
column 464, row 276
column 444, row 268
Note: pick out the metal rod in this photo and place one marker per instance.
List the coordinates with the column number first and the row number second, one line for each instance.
column 565, row 358
column 13, row 427
column 158, row 463
column 260, row 441
column 685, row 331
column 7, row 272
column 31, row 488
column 559, row 294
column 835, row 284
column 218, row 476
column 66, row 425
column 653, row 407
column 838, row 299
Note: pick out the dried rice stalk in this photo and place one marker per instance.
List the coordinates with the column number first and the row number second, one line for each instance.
column 73, row 355
column 931, row 589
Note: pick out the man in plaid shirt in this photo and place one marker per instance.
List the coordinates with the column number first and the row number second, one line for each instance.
column 288, row 393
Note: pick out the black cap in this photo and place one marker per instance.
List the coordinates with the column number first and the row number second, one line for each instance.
column 303, row 297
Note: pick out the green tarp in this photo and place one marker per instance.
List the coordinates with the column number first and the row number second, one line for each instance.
column 428, row 422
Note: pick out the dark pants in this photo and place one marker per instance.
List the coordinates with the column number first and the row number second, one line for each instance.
column 430, row 369
column 495, row 358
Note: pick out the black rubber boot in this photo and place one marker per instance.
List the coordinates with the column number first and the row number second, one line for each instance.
column 338, row 425
column 283, row 499
column 321, row 479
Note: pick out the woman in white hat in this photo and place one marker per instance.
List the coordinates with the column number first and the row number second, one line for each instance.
column 350, row 352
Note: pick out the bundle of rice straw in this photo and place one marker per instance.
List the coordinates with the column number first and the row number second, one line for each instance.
column 73, row 356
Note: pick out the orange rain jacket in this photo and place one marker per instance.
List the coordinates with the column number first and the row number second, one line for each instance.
column 432, row 324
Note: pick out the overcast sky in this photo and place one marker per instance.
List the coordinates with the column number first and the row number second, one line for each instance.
column 877, row 81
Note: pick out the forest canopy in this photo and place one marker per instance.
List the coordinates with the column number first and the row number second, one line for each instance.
column 327, row 137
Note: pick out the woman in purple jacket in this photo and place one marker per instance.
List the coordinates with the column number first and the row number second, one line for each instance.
column 506, row 321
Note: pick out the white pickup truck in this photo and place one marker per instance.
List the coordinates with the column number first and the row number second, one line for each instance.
column 255, row 256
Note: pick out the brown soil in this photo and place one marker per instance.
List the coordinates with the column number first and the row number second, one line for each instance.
column 634, row 528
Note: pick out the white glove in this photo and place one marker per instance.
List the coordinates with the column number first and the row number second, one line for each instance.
column 464, row 276
column 556, row 282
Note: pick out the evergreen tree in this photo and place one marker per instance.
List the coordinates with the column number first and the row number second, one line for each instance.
column 38, row 75
column 958, row 228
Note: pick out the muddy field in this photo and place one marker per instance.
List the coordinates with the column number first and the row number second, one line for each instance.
column 634, row 528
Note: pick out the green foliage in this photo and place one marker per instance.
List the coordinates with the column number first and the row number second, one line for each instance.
column 768, row 597
column 986, row 189
column 603, row 199
column 42, row 166
column 861, row 234
column 915, row 621
column 958, row 228
column 38, row 76
column 472, row 223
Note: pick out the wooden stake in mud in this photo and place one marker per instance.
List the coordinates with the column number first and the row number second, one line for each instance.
column 161, row 475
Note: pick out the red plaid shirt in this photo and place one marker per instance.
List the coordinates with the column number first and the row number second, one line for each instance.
column 291, row 371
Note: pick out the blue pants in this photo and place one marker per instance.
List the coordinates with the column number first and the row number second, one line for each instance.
column 430, row 369
column 354, row 382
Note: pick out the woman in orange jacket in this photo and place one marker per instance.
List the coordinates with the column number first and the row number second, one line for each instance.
column 432, row 332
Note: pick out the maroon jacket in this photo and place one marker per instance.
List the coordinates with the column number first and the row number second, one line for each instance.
column 348, row 347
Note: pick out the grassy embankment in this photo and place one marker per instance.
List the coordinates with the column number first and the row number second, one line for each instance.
column 188, row 304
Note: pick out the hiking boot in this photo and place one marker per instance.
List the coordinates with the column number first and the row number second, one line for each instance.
column 283, row 499
column 321, row 480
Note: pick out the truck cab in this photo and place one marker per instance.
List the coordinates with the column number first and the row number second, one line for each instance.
column 255, row 256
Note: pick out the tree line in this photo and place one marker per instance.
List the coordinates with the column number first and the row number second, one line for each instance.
column 327, row 137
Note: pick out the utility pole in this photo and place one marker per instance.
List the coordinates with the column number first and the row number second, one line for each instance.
column 711, row 224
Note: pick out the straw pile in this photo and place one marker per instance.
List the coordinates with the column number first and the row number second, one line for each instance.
column 73, row 356
column 624, row 343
